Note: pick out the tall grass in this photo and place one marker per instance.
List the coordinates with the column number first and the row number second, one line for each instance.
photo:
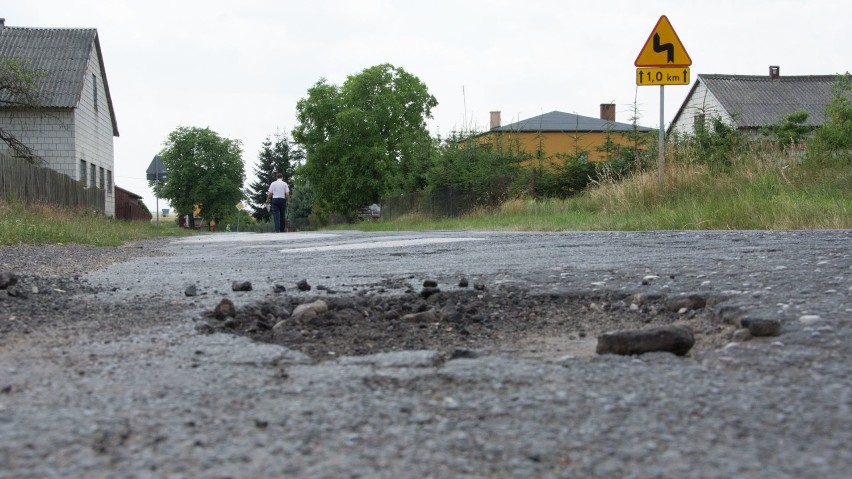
column 759, row 188
column 50, row 224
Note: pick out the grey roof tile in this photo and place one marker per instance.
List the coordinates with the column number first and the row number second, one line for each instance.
column 561, row 121
column 62, row 54
column 756, row 101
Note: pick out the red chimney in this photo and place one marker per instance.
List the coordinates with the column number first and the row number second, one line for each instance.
column 495, row 119
column 608, row 111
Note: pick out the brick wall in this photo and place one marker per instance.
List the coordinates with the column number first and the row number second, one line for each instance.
column 50, row 134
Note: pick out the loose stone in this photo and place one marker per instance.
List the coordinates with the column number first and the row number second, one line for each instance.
column 675, row 339
column 809, row 319
column 225, row 309
column 7, row 279
column 741, row 335
column 762, row 327
column 316, row 308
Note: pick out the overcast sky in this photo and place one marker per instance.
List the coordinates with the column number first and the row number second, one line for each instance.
column 240, row 67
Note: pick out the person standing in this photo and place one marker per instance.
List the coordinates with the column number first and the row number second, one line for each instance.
column 278, row 195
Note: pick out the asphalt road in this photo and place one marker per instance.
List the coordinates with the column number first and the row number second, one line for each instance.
column 151, row 396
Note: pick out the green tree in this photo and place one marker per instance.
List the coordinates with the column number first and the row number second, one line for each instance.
column 638, row 142
column 791, row 130
column 273, row 158
column 833, row 140
column 365, row 139
column 204, row 169
column 300, row 207
column 486, row 169
column 18, row 90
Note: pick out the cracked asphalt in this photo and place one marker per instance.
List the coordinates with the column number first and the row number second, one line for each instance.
column 110, row 374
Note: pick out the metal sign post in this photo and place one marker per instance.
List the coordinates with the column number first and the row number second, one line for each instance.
column 157, row 172
column 240, row 207
column 670, row 63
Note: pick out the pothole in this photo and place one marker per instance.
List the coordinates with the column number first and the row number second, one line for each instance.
column 504, row 318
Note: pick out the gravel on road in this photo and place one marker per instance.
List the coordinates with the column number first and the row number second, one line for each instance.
column 427, row 355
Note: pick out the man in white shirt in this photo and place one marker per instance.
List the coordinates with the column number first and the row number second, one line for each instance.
column 279, row 194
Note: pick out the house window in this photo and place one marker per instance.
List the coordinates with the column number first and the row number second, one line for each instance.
column 95, row 91
column 109, row 182
column 102, row 179
column 83, row 172
column 93, row 176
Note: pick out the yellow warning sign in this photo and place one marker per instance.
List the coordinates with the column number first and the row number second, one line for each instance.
column 663, row 48
column 662, row 76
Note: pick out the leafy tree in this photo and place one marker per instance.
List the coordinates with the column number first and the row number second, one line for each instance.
column 278, row 157
column 204, row 169
column 18, row 89
column 366, row 138
column 833, row 140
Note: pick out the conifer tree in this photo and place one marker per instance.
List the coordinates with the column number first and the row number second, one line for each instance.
column 274, row 157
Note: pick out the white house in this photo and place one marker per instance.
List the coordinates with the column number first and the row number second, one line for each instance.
column 751, row 102
column 73, row 127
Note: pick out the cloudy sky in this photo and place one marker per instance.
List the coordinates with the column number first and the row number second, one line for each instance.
column 240, row 67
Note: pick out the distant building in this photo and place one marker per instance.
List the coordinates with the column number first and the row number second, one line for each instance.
column 751, row 102
column 73, row 125
column 560, row 133
column 127, row 206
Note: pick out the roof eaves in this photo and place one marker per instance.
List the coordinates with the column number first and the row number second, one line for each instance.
column 97, row 44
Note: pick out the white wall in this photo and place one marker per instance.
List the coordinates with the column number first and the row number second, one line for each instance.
column 94, row 138
column 701, row 100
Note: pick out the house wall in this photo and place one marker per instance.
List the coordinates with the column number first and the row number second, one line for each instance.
column 49, row 134
column 565, row 143
column 701, row 100
column 94, row 133
column 64, row 137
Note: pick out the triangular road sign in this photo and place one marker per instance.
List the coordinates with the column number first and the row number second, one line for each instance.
column 663, row 48
column 156, row 170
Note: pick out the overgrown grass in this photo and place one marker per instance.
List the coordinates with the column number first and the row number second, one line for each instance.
column 759, row 190
column 762, row 189
column 50, row 224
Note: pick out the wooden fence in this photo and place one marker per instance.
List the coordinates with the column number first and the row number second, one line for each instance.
column 22, row 181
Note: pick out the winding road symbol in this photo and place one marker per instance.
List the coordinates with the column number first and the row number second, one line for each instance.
column 664, row 47
column 663, row 39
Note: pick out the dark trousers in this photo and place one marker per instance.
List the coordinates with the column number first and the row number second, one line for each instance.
column 279, row 214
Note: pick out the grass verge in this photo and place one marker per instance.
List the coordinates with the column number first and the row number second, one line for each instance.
column 757, row 192
column 50, row 224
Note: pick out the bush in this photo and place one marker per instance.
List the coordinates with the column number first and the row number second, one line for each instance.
column 833, row 140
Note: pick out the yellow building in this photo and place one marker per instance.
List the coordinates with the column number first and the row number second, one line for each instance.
column 558, row 133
